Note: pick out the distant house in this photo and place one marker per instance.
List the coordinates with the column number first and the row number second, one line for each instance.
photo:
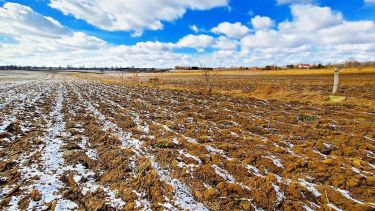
column 304, row 66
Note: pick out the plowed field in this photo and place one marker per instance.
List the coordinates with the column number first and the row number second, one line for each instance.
column 70, row 144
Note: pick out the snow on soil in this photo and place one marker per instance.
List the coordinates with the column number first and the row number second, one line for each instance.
column 223, row 173
column 310, row 186
column 46, row 174
column 85, row 178
column 280, row 196
column 91, row 153
column 347, row 195
column 275, row 161
column 50, row 169
column 182, row 194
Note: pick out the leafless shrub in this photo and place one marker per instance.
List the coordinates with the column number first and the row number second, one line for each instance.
column 209, row 76
column 136, row 79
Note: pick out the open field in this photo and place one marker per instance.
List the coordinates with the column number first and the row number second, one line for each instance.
column 93, row 141
column 306, row 86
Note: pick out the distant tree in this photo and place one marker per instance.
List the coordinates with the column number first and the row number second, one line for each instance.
column 319, row 66
column 352, row 63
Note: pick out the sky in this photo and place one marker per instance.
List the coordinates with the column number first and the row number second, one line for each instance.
column 167, row 33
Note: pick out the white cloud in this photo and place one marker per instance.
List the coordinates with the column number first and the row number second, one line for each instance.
column 194, row 28
column 225, row 43
column 309, row 18
column 129, row 15
column 260, row 22
column 81, row 41
column 44, row 41
column 369, row 1
column 196, row 41
column 38, row 40
column 234, row 30
column 200, row 50
column 136, row 34
column 17, row 20
column 295, row 1
column 314, row 34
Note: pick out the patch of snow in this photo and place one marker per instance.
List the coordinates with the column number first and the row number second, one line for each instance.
column 319, row 153
column 347, row 195
column 224, row 174
column 167, row 128
column 334, row 207
column 142, row 201
column 254, row 170
column 370, row 154
column 233, row 134
column 92, row 154
column 368, row 138
column 4, row 191
column 188, row 155
column 65, row 205
column 275, row 161
column 90, row 186
column 279, row 194
column 307, row 208
column 13, row 204
column 357, row 171
column 52, row 161
column 191, row 140
column 214, row 150
column 183, row 197
column 175, row 141
column 371, row 165
column 182, row 194
column 327, row 145
column 310, row 186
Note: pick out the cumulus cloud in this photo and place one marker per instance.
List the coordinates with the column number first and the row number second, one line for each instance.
column 234, row 30
column 129, row 15
column 225, row 43
column 196, row 41
column 314, row 33
column 18, row 20
column 260, row 22
column 42, row 40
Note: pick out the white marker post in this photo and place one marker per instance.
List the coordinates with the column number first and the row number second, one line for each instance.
column 336, row 81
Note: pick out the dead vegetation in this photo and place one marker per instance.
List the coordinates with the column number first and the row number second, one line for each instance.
column 138, row 147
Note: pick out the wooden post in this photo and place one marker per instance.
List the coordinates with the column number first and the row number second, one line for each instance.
column 336, row 81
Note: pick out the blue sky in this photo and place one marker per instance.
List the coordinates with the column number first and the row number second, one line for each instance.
column 181, row 32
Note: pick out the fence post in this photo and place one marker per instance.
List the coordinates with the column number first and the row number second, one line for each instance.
column 336, row 81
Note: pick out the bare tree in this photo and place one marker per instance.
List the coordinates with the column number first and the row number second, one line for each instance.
column 209, row 79
column 209, row 76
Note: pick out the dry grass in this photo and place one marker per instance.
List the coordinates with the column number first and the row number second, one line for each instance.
column 311, row 86
column 206, row 142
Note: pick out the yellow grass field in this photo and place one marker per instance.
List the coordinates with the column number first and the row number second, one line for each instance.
column 304, row 85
